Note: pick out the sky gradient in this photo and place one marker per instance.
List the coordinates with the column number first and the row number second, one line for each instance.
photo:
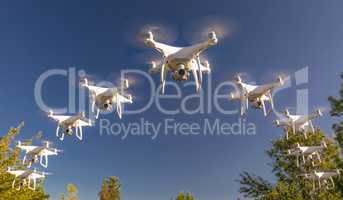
column 270, row 37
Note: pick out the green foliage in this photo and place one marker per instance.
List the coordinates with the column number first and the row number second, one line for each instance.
column 254, row 186
column 337, row 111
column 71, row 193
column 8, row 158
column 62, row 197
column 185, row 196
column 289, row 184
column 110, row 189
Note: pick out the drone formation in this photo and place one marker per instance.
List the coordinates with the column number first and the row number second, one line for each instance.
column 302, row 124
column 102, row 98
column 180, row 62
column 33, row 154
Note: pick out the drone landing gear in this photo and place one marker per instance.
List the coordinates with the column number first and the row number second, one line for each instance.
column 45, row 163
column 79, row 134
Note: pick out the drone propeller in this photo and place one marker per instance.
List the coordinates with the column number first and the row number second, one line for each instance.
column 243, row 77
column 46, row 173
column 158, row 33
column 209, row 27
column 58, row 151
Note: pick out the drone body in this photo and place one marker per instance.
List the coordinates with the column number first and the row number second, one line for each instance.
column 322, row 178
column 181, row 61
column 26, row 177
column 103, row 99
column 307, row 152
column 67, row 123
column 298, row 123
column 34, row 154
column 256, row 95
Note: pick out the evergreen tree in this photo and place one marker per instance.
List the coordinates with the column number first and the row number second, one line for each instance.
column 72, row 193
column 9, row 158
column 189, row 196
column 185, row 196
column 289, row 183
column 337, row 111
column 110, row 189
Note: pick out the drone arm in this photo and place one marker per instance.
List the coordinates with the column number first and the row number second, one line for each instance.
column 163, row 49
column 196, row 49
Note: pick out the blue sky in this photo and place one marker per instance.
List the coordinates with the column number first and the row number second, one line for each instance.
column 95, row 36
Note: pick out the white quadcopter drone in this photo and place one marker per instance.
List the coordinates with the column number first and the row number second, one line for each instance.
column 180, row 61
column 322, row 178
column 34, row 154
column 256, row 95
column 308, row 153
column 27, row 177
column 67, row 123
column 104, row 98
column 298, row 123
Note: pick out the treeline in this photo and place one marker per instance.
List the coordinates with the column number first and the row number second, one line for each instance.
column 109, row 190
column 307, row 181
